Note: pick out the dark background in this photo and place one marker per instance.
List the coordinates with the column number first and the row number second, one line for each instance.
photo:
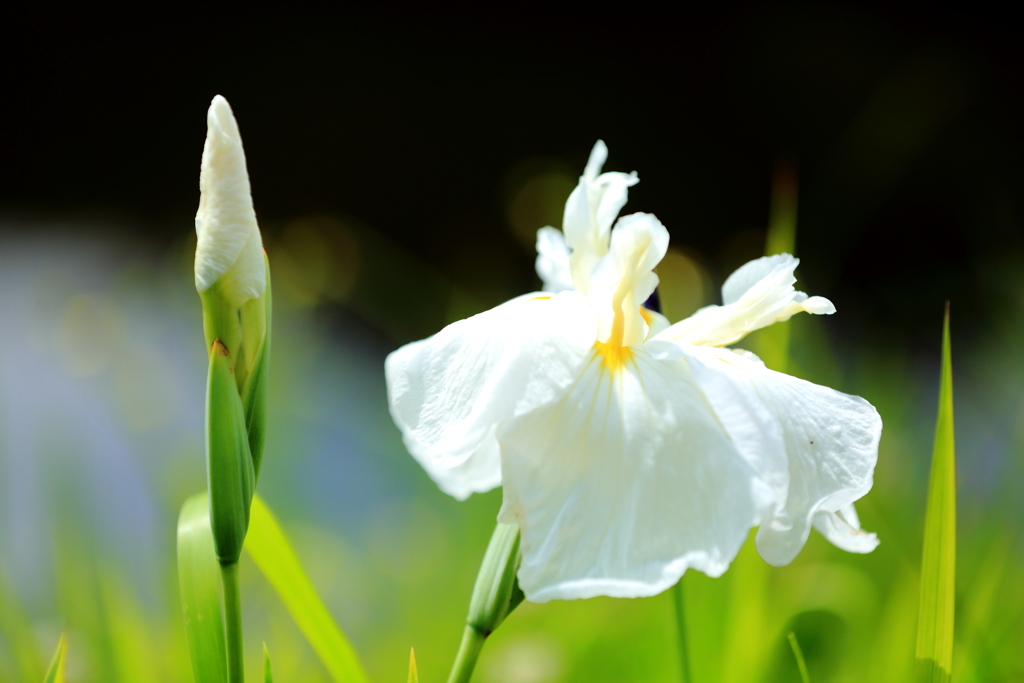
column 904, row 122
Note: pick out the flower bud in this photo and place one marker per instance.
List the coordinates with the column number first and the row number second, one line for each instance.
column 229, row 249
column 496, row 592
column 233, row 279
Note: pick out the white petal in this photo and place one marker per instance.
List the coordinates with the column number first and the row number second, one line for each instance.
column 553, row 260
column 757, row 295
column 598, row 155
column 830, row 441
column 578, row 231
column 624, row 278
column 448, row 393
column 589, row 213
column 611, row 195
column 229, row 243
column 656, row 322
column 724, row 378
column 624, row 483
column 747, row 276
column 842, row 529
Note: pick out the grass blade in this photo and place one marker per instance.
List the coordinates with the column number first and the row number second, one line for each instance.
column 199, row 582
column 273, row 554
column 782, row 218
column 934, row 657
column 55, row 674
column 268, row 677
column 798, row 654
column 414, row 676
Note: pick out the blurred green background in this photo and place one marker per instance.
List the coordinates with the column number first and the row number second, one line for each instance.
column 401, row 162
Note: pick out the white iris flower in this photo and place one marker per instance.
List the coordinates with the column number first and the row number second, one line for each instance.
column 230, row 249
column 630, row 449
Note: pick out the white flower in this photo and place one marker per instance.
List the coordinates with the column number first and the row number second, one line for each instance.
column 229, row 249
column 630, row 450
column 589, row 213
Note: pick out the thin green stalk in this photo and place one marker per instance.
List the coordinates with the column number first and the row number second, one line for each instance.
column 936, row 613
column 773, row 343
column 684, row 652
column 233, row 622
column 799, row 655
column 465, row 660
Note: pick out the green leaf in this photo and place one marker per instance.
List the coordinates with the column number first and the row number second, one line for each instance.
column 938, row 562
column 55, row 674
column 229, row 467
column 268, row 677
column 199, row 583
column 798, row 654
column 414, row 676
column 256, row 316
column 273, row 554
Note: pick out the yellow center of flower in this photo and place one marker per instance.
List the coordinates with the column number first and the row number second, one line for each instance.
column 613, row 356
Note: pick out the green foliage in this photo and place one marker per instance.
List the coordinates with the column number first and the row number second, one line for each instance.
column 401, row 570
column 55, row 674
column 938, row 560
column 16, row 632
column 230, row 474
column 135, row 655
column 414, row 676
column 199, row 579
column 273, row 554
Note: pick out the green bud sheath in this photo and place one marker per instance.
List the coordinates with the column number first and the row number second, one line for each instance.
column 256, row 335
column 496, row 592
column 229, row 468
column 221, row 321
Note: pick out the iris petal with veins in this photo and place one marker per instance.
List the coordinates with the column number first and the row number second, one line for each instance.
column 630, row 449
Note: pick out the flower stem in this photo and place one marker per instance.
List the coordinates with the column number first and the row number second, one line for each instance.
column 684, row 653
column 233, row 622
column 465, row 660
column 798, row 654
